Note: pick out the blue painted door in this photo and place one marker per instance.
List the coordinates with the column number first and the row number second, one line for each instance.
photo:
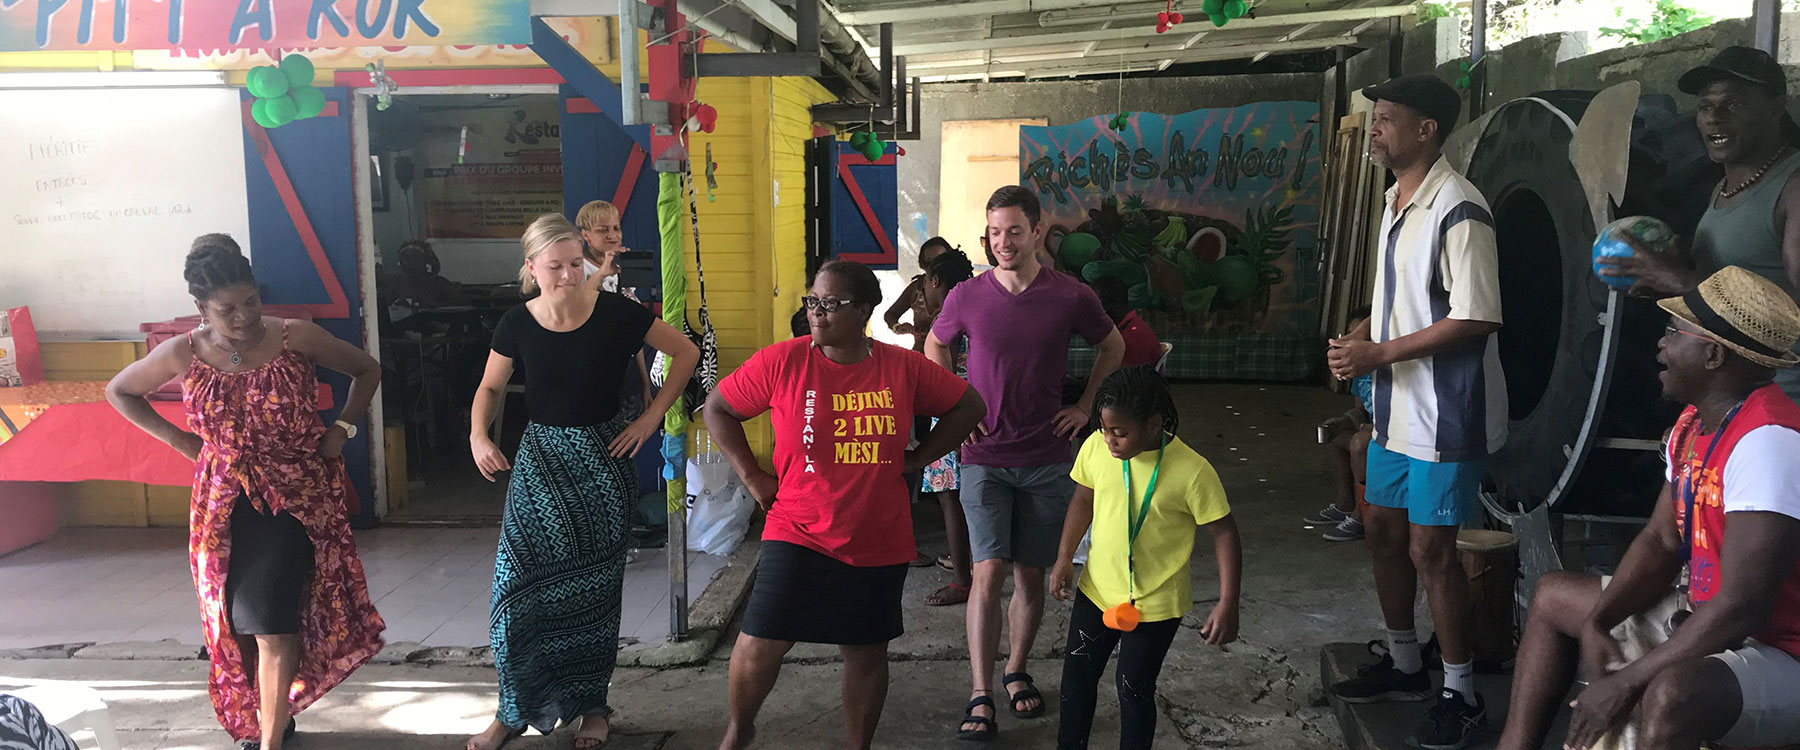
column 865, row 207
column 303, row 242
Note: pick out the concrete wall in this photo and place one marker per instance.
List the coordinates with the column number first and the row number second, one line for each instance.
column 1060, row 102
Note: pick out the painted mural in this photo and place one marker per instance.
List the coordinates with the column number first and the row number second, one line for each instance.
column 1209, row 219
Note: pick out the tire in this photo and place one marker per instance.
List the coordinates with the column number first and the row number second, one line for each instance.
column 1569, row 386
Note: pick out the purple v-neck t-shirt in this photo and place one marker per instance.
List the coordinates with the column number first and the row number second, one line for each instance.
column 1018, row 351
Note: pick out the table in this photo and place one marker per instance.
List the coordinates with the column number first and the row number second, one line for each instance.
column 65, row 431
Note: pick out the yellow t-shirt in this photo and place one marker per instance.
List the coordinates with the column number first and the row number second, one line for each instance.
column 1188, row 495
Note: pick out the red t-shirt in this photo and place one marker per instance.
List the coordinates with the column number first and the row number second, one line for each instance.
column 1755, row 485
column 840, row 442
column 1141, row 345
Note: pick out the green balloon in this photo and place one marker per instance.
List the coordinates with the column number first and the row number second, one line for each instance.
column 308, row 100
column 1218, row 19
column 282, row 110
column 297, row 70
column 1212, row 7
column 266, row 82
column 1236, row 8
column 259, row 111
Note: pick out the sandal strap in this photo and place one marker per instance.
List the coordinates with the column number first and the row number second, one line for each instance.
column 1013, row 677
column 981, row 700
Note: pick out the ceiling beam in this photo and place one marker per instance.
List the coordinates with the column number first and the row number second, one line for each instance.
column 1267, row 21
column 1130, row 62
column 1101, row 10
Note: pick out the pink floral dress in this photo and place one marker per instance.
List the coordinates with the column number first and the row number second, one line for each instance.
column 260, row 430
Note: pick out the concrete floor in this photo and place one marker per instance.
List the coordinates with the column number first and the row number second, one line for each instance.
column 1300, row 592
column 431, row 585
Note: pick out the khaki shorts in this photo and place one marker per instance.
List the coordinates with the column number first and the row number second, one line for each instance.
column 1768, row 677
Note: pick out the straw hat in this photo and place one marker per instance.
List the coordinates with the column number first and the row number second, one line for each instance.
column 1746, row 313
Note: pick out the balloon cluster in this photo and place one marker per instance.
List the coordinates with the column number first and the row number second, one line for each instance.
column 702, row 118
column 1169, row 18
column 284, row 94
column 1222, row 11
column 1119, row 121
column 870, row 145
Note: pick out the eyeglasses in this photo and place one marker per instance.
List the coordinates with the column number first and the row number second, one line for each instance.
column 828, row 305
column 1671, row 329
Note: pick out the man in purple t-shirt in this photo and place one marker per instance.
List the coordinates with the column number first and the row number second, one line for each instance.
column 1015, row 474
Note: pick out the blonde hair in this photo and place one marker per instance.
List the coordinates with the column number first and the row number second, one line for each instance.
column 595, row 212
column 545, row 231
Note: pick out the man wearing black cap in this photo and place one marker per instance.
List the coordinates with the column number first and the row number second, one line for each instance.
column 1440, row 400
column 1742, row 115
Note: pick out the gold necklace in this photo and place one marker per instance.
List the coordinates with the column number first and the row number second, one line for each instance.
column 1728, row 194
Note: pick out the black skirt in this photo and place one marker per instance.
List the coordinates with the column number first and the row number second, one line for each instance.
column 804, row 596
column 270, row 567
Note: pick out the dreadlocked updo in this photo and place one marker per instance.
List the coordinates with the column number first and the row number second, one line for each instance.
column 1139, row 393
column 215, row 262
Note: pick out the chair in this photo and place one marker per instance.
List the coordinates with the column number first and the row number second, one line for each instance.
column 73, row 709
column 1164, row 361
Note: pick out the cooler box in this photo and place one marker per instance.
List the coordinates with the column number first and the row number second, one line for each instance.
column 156, row 333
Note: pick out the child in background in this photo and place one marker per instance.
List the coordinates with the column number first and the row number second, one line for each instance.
column 913, row 296
column 942, row 479
column 1346, row 439
column 1143, row 538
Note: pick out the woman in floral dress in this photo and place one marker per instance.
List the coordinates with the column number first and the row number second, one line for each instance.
column 283, row 604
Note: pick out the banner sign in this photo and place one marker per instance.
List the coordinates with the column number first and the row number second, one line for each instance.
column 592, row 37
column 1208, row 220
column 489, row 201
column 31, row 25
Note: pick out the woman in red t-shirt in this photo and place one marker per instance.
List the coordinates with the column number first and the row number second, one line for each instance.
column 839, row 531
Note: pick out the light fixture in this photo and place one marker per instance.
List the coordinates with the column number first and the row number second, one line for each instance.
column 114, row 79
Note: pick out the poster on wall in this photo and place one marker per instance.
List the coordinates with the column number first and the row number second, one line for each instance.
column 592, row 37
column 490, row 169
column 1207, row 220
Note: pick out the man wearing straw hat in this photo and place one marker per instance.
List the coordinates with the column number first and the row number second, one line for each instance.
column 1718, row 657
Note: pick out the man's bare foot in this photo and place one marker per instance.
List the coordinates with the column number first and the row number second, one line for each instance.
column 737, row 738
column 494, row 737
column 595, row 730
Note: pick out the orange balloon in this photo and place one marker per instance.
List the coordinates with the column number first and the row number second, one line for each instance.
column 1123, row 617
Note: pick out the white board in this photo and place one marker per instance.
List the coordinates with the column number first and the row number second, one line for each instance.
column 101, row 193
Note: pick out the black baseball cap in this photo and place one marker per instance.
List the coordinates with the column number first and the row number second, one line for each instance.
column 1737, row 63
column 1430, row 97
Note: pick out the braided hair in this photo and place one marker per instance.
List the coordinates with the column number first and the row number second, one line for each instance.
column 215, row 262
column 1139, row 393
column 951, row 268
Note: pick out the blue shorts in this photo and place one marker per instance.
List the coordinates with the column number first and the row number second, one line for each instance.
column 1431, row 493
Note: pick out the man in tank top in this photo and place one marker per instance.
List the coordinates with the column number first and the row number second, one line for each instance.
column 1743, row 120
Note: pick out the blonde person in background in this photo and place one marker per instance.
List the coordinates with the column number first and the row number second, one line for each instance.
column 557, row 576
column 603, row 237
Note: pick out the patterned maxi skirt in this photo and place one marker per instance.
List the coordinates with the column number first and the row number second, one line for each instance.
column 555, row 619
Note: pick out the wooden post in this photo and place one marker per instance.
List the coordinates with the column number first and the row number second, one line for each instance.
column 1766, row 20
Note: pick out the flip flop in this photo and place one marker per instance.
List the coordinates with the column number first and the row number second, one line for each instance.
column 592, row 743
column 987, row 731
column 1026, row 693
column 943, row 561
column 950, row 594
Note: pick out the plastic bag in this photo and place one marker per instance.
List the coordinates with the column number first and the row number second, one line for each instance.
column 719, row 506
column 20, row 363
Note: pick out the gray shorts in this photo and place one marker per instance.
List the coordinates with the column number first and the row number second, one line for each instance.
column 1768, row 677
column 1016, row 514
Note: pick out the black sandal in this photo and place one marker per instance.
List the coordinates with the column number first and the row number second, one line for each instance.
column 988, row 730
column 1029, row 692
column 286, row 734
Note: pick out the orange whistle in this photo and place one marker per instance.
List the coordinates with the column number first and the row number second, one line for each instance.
column 1123, row 617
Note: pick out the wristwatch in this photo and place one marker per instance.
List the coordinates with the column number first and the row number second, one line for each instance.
column 349, row 429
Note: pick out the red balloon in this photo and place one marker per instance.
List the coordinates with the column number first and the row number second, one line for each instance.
column 1175, row 18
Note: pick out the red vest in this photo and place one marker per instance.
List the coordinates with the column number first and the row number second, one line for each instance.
column 1765, row 406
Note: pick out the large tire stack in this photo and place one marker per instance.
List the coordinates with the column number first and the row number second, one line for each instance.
column 1554, row 344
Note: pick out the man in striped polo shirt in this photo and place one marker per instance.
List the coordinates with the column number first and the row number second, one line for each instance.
column 1440, row 399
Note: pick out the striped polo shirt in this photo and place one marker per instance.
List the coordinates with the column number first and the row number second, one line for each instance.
column 1438, row 260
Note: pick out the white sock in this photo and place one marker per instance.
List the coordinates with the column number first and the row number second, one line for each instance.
column 1403, row 645
column 1461, row 678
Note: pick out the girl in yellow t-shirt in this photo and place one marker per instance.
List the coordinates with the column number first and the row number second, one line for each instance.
column 1143, row 491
